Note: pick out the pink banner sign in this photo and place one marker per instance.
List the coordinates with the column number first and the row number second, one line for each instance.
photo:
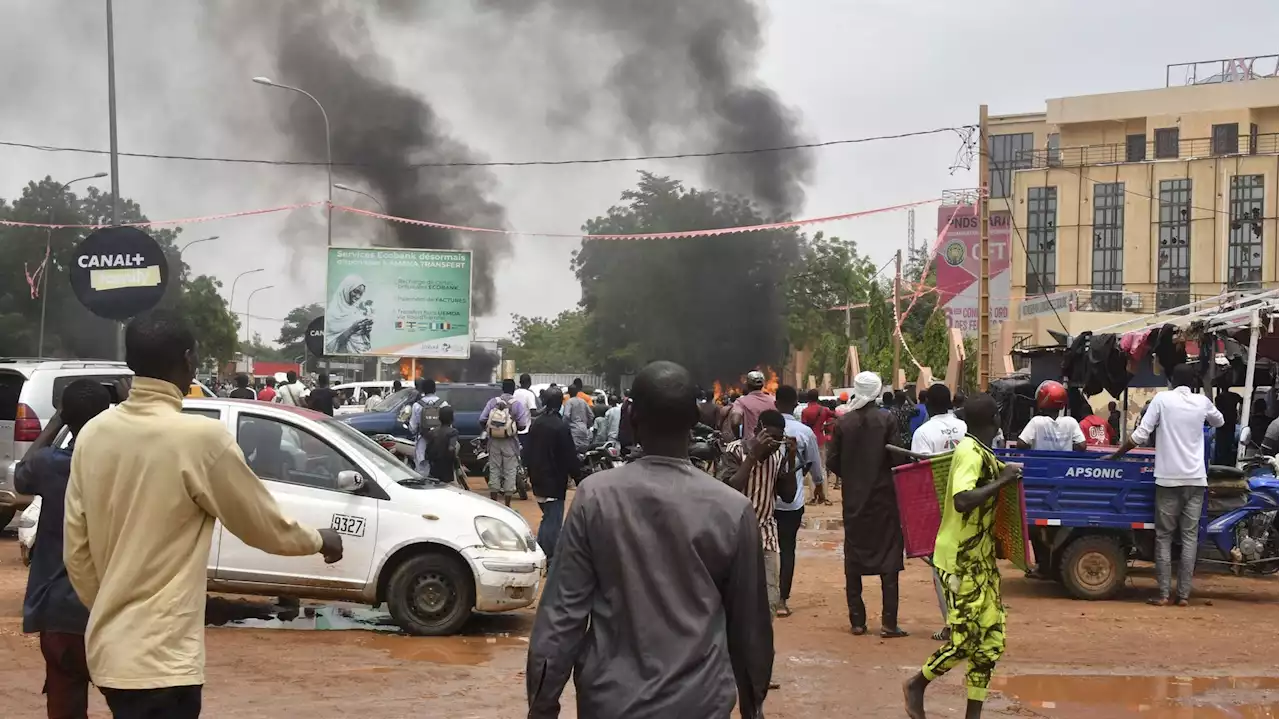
column 959, row 261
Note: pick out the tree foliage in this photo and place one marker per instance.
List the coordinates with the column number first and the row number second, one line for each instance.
column 555, row 345
column 70, row 329
column 293, row 331
column 714, row 304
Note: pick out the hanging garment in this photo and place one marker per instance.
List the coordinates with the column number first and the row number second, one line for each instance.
column 1075, row 363
column 1166, row 349
column 1108, row 366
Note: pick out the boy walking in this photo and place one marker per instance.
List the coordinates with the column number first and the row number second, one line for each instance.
column 442, row 450
column 51, row 607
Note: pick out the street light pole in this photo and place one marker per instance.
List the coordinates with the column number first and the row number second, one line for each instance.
column 48, row 251
column 246, row 310
column 202, row 239
column 232, row 302
column 114, row 145
column 376, row 201
column 328, row 147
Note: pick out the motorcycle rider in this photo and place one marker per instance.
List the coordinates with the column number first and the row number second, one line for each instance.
column 1047, row 430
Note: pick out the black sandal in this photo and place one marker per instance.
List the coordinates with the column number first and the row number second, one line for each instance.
column 942, row 635
column 893, row 633
column 859, row 631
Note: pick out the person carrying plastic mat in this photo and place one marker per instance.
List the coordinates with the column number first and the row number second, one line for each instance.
column 965, row 557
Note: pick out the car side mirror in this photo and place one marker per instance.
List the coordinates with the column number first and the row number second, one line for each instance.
column 350, row 481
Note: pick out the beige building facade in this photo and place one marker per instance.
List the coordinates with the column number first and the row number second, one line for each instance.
column 1135, row 202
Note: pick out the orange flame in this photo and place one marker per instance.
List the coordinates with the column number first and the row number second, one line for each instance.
column 770, row 380
column 440, row 378
column 717, row 389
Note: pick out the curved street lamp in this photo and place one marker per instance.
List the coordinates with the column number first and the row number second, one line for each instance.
column 328, row 145
column 246, row 310
column 231, row 303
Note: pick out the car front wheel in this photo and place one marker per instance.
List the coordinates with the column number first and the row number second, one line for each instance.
column 431, row 595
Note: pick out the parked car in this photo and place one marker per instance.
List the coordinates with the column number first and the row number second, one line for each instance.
column 431, row 551
column 30, row 392
column 467, row 399
column 358, row 392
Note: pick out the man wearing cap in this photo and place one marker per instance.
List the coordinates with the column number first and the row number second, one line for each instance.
column 745, row 412
column 872, row 534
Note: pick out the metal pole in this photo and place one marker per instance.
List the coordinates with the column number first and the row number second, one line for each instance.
column 231, row 303
column 114, row 145
column 246, row 310
column 897, row 323
column 1255, row 327
column 984, row 242
column 48, row 253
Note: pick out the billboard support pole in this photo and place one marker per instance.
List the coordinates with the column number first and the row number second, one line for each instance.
column 984, row 243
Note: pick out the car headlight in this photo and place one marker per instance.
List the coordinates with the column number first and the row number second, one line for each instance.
column 497, row 534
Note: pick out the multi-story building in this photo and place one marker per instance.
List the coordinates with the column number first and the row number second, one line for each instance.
column 1140, row 201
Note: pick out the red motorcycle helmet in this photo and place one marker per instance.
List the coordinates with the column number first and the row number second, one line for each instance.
column 1051, row 395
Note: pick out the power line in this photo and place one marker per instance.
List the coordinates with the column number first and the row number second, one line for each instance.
column 961, row 129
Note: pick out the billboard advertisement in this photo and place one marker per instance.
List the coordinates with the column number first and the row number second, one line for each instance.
column 958, row 261
column 394, row 302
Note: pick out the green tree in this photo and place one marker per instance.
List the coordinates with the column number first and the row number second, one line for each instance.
column 70, row 330
column 211, row 320
column 830, row 273
column 261, row 351
column 554, row 345
column 293, row 331
column 714, row 304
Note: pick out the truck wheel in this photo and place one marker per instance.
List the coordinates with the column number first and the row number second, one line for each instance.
column 1094, row 567
column 431, row 595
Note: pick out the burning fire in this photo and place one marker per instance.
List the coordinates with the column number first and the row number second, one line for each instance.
column 770, row 385
column 413, row 371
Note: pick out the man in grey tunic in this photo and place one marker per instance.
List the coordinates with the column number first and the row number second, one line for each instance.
column 657, row 600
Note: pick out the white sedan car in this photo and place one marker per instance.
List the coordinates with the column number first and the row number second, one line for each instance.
column 431, row 551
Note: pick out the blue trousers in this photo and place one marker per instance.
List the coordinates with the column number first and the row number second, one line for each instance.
column 549, row 528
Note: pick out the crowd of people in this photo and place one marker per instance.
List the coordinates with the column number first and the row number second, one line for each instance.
column 663, row 583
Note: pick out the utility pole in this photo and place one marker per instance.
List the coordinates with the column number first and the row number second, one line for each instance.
column 984, row 244
column 911, row 233
column 897, row 321
column 114, row 145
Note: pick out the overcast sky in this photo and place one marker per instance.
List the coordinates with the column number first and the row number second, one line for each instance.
column 850, row 69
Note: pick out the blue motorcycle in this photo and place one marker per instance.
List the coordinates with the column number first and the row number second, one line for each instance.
column 1243, row 523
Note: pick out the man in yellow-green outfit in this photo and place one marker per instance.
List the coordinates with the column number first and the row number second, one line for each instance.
column 965, row 556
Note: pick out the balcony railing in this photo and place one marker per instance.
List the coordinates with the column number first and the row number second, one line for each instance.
column 1196, row 148
column 1236, row 69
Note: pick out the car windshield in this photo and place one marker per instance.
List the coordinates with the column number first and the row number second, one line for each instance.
column 393, row 401
column 357, row 443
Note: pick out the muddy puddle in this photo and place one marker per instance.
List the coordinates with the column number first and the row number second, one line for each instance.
column 485, row 637
column 1103, row 697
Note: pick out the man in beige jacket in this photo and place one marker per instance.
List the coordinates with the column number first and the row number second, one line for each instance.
column 147, row 483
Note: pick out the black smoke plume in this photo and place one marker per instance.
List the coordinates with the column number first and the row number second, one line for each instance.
column 380, row 126
column 687, row 75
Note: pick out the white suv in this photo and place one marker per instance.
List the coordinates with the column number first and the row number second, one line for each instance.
column 30, row 390
column 431, row 551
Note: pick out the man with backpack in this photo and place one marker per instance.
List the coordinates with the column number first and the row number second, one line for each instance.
column 442, row 450
column 291, row 392
column 424, row 417
column 502, row 419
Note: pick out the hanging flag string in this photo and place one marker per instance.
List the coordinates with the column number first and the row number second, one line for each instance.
column 786, row 224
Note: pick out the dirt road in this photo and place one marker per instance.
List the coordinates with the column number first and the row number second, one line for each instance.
column 1065, row 658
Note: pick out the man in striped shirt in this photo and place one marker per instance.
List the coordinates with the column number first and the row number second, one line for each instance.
column 763, row 471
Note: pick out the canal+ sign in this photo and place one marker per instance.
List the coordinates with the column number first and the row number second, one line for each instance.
column 119, row 272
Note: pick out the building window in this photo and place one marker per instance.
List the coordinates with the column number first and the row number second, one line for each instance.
column 1042, row 239
column 1135, row 148
column 1226, row 139
column 1166, row 143
column 1007, row 153
column 1244, row 242
column 1108, row 245
column 1173, row 251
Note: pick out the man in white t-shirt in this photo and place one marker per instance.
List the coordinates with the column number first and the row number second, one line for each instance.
column 525, row 396
column 1177, row 418
column 943, row 430
column 1047, row 430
